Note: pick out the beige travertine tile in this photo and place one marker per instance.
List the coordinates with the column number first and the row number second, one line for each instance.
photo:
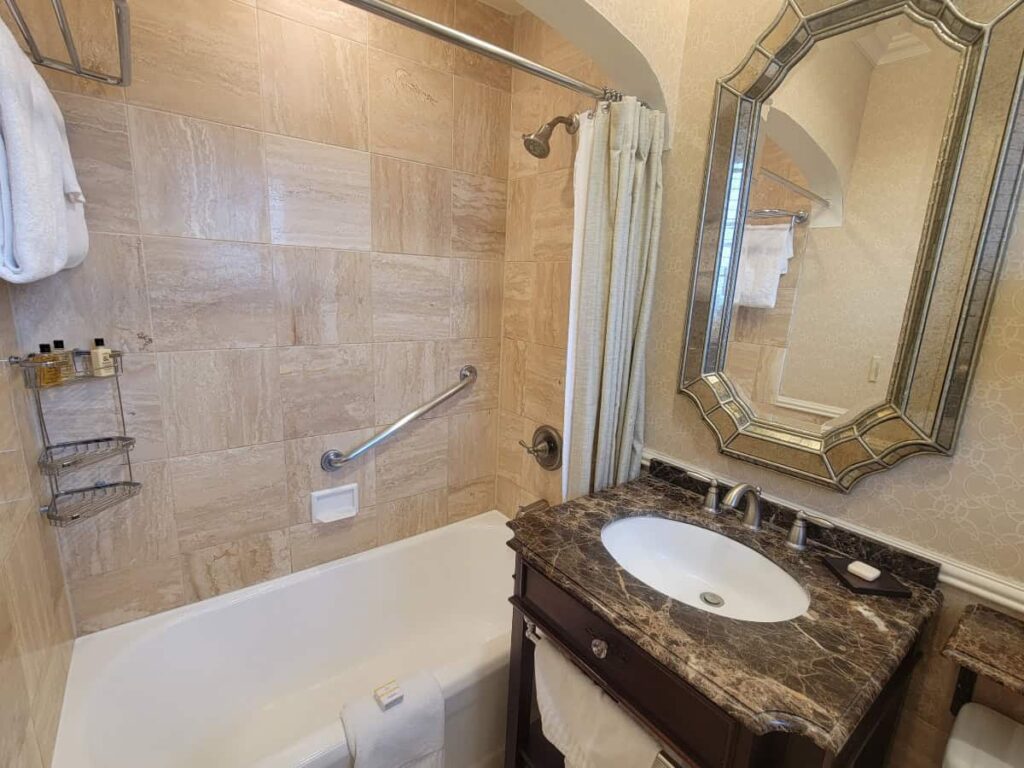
column 312, row 544
column 314, row 83
column 513, row 375
column 198, row 179
column 326, row 389
column 12, row 516
column 319, row 195
column 487, row 23
column 220, row 399
column 305, row 475
column 412, row 207
column 411, row 297
column 471, row 499
column 476, row 298
column 485, row 355
column 511, row 428
column 131, row 593
column 196, row 57
column 406, row 375
column 517, row 300
column 472, row 447
column 413, row 461
column 328, row 15
column 411, row 110
column 98, row 137
column 30, row 756
column 323, row 296
column 47, row 704
column 10, row 439
column 141, row 395
column 105, row 296
column 506, row 496
column 544, row 384
column 537, row 482
column 536, row 302
column 540, row 218
column 478, row 217
column 412, row 515
column 481, row 125
column 207, row 294
column 14, row 483
column 15, row 714
column 226, row 567
column 141, row 530
column 227, row 495
column 395, row 38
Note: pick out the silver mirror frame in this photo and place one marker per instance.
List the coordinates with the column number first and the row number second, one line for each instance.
column 968, row 224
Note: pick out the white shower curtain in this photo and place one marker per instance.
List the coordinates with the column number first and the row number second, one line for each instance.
column 618, row 189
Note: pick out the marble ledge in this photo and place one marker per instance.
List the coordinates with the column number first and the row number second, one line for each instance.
column 990, row 644
column 815, row 676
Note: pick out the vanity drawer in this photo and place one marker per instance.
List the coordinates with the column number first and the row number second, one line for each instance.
column 686, row 720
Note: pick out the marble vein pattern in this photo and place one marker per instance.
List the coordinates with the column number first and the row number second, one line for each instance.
column 990, row 643
column 814, row 676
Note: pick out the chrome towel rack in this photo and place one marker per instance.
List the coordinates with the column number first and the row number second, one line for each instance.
column 74, row 66
column 335, row 459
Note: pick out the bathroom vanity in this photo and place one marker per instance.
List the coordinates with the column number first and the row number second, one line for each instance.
column 822, row 689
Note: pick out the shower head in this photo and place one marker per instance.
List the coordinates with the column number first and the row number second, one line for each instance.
column 538, row 143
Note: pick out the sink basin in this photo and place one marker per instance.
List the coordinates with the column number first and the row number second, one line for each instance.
column 704, row 569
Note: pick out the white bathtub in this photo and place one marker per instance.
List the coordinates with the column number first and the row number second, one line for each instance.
column 256, row 678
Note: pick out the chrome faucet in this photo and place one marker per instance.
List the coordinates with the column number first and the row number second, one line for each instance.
column 797, row 538
column 752, row 511
column 711, row 496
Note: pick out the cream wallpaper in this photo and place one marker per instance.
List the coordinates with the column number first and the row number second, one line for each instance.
column 962, row 507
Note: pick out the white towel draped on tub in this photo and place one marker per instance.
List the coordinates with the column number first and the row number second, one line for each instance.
column 408, row 735
column 582, row 721
column 764, row 259
column 42, row 212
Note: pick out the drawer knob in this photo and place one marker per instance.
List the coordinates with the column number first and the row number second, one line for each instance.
column 599, row 647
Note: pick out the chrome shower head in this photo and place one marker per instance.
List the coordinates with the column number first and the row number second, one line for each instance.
column 538, row 143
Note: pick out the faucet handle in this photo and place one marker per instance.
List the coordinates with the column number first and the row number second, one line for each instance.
column 711, row 497
column 797, row 538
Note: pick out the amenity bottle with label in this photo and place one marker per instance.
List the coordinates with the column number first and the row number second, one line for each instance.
column 67, row 360
column 47, row 375
column 101, row 359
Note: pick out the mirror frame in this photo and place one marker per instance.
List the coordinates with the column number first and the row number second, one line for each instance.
column 968, row 223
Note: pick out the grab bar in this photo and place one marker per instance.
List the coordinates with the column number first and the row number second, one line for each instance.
column 334, row 459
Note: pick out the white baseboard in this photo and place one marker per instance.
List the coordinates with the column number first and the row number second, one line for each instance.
column 975, row 581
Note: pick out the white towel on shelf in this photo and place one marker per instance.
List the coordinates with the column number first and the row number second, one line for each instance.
column 43, row 211
column 764, row 259
column 582, row 721
column 408, row 735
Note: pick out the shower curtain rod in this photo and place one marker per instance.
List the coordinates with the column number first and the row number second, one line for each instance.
column 421, row 24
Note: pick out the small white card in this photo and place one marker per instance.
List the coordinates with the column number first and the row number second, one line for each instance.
column 335, row 504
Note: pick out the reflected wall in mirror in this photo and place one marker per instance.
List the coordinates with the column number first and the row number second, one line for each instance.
column 861, row 175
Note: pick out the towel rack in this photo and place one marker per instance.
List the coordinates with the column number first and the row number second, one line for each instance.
column 335, row 459
column 778, row 213
column 122, row 23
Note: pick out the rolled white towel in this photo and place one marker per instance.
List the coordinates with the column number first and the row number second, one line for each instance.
column 43, row 212
column 408, row 735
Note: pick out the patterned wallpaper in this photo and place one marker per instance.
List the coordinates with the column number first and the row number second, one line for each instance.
column 962, row 507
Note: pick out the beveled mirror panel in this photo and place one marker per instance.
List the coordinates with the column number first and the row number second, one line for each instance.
column 863, row 168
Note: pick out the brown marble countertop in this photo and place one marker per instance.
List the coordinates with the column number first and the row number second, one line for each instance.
column 815, row 675
column 991, row 644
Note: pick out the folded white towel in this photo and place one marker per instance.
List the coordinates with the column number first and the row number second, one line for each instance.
column 582, row 721
column 764, row 258
column 408, row 735
column 42, row 211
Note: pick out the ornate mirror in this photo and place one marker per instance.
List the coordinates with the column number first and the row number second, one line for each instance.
column 862, row 173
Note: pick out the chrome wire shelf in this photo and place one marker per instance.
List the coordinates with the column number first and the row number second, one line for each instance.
column 68, row 507
column 31, row 370
column 74, row 66
column 64, row 457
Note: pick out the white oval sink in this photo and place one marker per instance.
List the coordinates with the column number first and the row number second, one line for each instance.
column 704, row 569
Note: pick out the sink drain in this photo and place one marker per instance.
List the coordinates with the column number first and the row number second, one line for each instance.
column 710, row 598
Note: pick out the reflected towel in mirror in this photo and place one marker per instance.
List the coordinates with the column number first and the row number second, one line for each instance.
column 764, row 259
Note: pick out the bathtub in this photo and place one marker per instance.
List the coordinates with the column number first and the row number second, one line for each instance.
column 256, row 678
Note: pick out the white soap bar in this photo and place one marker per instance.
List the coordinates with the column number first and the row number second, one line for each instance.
column 863, row 570
column 388, row 695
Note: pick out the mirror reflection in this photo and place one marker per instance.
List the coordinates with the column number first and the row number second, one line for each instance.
column 843, row 170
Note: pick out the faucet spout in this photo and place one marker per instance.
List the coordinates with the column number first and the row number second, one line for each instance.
column 752, row 496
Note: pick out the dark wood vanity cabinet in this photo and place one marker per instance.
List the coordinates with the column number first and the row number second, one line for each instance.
column 700, row 733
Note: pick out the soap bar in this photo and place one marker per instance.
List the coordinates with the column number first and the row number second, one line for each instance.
column 388, row 695
column 863, row 571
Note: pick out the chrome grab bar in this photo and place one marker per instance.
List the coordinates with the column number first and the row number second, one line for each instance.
column 334, row 459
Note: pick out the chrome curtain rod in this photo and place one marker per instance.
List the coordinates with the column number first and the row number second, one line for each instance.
column 454, row 36
column 335, row 459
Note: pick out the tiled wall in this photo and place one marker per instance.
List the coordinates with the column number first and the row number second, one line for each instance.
column 298, row 223
column 35, row 619
column 537, row 266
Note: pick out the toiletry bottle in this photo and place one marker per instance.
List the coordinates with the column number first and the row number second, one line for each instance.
column 67, row 360
column 48, row 375
column 101, row 359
